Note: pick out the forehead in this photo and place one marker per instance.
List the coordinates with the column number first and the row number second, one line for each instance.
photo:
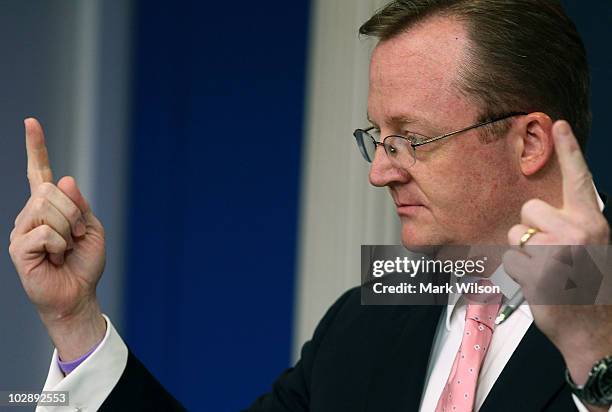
column 414, row 74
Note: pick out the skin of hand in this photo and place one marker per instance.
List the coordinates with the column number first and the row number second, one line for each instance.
column 582, row 333
column 58, row 249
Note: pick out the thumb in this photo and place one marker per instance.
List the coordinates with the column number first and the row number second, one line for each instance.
column 68, row 185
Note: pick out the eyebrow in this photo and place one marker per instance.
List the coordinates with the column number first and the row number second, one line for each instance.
column 401, row 120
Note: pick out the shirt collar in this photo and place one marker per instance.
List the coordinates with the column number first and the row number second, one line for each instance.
column 507, row 286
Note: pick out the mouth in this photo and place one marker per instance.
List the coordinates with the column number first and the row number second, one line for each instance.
column 406, row 204
column 408, row 209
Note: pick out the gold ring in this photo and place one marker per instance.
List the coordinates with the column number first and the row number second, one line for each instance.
column 528, row 234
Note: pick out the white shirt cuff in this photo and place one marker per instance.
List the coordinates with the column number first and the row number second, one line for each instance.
column 580, row 405
column 93, row 380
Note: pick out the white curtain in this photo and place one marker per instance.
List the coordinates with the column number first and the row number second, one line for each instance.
column 340, row 211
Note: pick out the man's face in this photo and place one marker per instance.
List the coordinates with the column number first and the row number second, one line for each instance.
column 459, row 191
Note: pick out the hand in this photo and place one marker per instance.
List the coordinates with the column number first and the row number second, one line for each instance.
column 583, row 333
column 57, row 247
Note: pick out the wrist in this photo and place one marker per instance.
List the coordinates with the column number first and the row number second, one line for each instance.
column 581, row 351
column 597, row 391
column 76, row 334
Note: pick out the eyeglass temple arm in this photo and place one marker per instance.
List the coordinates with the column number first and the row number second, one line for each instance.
column 433, row 139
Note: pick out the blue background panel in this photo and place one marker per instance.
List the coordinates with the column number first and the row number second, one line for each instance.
column 215, row 166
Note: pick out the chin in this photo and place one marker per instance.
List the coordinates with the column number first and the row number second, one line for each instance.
column 418, row 237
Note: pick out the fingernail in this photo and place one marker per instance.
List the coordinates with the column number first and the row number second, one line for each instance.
column 564, row 128
column 57, row 259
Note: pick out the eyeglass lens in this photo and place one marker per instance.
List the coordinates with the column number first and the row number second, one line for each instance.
column 398, row 149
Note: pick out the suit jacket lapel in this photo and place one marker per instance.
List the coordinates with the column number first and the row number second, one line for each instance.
column 397, row 385
column 531, row 378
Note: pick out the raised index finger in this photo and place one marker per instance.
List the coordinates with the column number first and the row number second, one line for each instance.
column 39, row 170
column 578, row 189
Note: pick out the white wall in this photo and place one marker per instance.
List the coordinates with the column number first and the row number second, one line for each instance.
column 340, row 210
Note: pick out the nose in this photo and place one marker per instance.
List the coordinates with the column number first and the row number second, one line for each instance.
column 383, row 172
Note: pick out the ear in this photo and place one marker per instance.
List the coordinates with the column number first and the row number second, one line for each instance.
column 536, row 145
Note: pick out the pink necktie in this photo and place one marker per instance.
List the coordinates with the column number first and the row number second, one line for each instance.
column 460, row 390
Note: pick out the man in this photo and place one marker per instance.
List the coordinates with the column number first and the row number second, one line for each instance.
column 440, row 67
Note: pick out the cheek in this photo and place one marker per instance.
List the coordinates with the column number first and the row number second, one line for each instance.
column 468, row 188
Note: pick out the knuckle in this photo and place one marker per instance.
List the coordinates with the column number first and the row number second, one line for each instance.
column 12, row 250
column 45, row 233
column 50, row 238
column 40, row 205
column 533, row 205
column 17, row 221
column 45, row 189
column 530, row 206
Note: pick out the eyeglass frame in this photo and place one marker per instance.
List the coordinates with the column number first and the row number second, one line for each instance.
column 435, row 138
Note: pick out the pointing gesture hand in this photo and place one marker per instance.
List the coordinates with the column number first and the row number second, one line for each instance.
column 579, row 221
column 579, row 196
column 582, row 333
column 57, row 247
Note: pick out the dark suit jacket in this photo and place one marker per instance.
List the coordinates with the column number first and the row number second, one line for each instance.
column 374, row 358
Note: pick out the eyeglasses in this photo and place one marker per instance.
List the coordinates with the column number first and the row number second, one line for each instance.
column 401, row 150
